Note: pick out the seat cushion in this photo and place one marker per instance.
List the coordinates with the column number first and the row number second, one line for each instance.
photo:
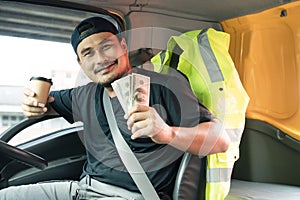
column 262, row 191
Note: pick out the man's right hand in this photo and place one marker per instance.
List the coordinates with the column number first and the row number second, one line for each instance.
column 31, row 107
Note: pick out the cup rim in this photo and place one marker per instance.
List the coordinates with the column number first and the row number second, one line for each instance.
column 40, row 78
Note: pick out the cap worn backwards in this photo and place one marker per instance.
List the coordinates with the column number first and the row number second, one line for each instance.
column 91, row 26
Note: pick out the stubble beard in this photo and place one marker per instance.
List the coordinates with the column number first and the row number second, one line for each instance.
column 109, row 81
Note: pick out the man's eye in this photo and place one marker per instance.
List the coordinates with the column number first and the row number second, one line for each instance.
column 106, row 47
column 87, row 53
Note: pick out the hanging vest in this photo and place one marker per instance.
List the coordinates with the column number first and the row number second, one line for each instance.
column 202, row 56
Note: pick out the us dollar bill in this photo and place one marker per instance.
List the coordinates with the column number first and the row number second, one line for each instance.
column 131, row 90
column 122, row 88
column 140, row 89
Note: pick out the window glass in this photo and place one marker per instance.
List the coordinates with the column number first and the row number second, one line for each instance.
column 24, row 58
column 35, row 41
column 40, row 129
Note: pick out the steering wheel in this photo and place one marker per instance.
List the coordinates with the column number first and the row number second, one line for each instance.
column 22, row 156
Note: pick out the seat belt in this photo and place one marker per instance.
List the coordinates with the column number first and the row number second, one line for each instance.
column 128, row 158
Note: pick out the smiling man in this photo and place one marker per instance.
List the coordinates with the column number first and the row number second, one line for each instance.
column 174, row 122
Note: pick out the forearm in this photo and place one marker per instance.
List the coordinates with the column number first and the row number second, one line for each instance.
column 202, row 139
column 205, row 138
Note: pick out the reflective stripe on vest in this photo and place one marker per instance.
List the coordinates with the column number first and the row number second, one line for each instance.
column 209, row 58
column 218, row 174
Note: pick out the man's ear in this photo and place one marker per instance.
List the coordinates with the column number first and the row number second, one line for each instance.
column 124, row 44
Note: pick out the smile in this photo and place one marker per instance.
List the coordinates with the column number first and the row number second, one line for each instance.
column 105, row 69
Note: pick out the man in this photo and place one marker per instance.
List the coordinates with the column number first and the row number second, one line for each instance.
column 158, row 134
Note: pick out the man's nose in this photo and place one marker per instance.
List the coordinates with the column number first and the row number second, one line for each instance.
column 100, row 56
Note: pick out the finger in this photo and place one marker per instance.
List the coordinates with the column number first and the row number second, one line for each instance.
column 135, row 109
column 29, row 101
column 138, row 126
column 136, row 117
column 50, row 99
column 30, row 114
column 34, row 109
column 136, row 135
column 29, row 92
column 140, row 132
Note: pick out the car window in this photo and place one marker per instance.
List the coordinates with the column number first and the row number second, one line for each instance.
column 40, row 129
column 35, row 41
column 23, row 58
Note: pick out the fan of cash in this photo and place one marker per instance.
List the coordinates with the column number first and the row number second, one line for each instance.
column 131, row 90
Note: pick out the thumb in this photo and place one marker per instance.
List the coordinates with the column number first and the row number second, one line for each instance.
column 50, row 99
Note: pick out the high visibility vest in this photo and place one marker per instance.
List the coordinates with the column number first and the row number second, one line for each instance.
column 202, row 56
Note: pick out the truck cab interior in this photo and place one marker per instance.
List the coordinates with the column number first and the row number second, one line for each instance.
column 264, row 46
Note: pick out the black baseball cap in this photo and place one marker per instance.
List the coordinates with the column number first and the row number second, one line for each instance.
column 91, row 26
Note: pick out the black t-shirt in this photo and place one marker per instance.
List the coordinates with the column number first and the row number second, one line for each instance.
column 173, row 100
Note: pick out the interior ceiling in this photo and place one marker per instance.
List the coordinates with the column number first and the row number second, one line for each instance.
column 32, row 20
column 211, row 10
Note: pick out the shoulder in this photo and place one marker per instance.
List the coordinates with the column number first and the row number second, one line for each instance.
column 75, row 92
column 85, row 89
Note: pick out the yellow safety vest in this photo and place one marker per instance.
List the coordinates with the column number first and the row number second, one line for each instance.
column 202, row 56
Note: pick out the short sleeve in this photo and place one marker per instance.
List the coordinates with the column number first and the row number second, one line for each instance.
column 63, row 104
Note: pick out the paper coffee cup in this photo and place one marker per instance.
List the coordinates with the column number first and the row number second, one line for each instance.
column 41, row 86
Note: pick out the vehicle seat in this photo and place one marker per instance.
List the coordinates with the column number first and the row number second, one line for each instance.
column 248, row 190
column 190, row 181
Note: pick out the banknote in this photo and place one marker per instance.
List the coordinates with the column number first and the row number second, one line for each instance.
column 140, row 89
column 131, row 90
column 122, row 88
